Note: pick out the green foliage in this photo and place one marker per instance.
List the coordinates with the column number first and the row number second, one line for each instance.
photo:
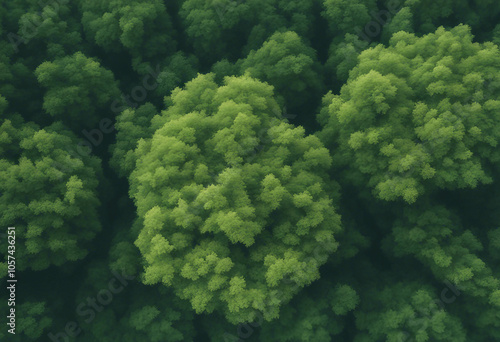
column 434, row 236
column 405, row 312
column 315, row 317
column 344, row 55
column 48, row 194
column 49, row 29
column 345, row 16
column 221, row 220
column 224, row 68
column 180, row 69
column 496, row 35
column 417, row 116
column 78, row 89
column 288, row 64
column 142, row 28
column 428, row 15
column 135, row 312
column 228, row 27
column 33, row 320
column 402, row 21
column 132, row 125
column 243, row 213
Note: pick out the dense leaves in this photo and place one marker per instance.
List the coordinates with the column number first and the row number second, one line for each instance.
column 77, row 89
column 250, row 170
column 48, row 194
column 418, row 115
column 257, row 208
column 285, row 62
column 142, row 28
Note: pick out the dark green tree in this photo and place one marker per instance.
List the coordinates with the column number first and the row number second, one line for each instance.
column 133, row 312
column 79, row 91
column 288, row 64
column 231, row 28
column 141, row 28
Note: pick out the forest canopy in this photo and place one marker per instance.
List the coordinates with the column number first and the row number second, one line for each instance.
column 250, row 170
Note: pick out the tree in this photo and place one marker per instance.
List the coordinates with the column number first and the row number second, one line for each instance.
column 375, row 220
column 231, row 28
column 356, row 25
column 427, row 15
column 48, row 194
column 33, row 319
column 349, row 34
column 434, row 236
column 133, row 312
column 417, row 116
column 142, row 28
column 131, row 125
column 496, row 35
column 78, row 89
column 345, row 16
column 343, row 57
column 47, row 31
column 179, row 70
column 316, row 315
column 288, row 64
column 244, row 197
column 405, row 311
